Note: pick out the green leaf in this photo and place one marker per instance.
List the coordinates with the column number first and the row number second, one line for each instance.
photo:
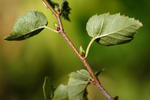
column 77, row 84
column 61, row 93
column 27, row 26
column 65, row 10
column 114, row 29
column 76, row 88
column 48, row 89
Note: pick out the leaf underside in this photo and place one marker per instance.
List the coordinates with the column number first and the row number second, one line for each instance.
column 76, row 87
column 61, row 93
column 112, row 29
column 27, row 26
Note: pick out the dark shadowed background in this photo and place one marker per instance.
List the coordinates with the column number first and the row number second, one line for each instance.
column 24, row 64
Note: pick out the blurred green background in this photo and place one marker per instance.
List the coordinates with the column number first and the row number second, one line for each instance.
column 24, row 64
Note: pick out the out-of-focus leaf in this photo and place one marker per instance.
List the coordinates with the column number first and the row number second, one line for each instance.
column 53, row 4
column 65, row 10
column 77, row 85
column 27, row 26
column 48, row 89
column 112, row 29
column 61, row 93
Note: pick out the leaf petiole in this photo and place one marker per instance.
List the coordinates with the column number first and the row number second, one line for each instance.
column 51, row 29
column 89, row 45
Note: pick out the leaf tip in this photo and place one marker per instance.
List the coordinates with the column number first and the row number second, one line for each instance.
column 8, row 38
column 140, row 23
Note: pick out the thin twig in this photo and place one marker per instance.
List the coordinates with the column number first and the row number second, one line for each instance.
column 48, row 6
column 83, row 59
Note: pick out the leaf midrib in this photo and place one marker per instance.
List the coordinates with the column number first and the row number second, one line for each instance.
column 100, row 36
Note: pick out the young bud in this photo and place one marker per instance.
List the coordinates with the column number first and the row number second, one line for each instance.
column 82, row 52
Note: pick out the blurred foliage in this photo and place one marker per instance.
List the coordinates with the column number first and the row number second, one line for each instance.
column 23, row 65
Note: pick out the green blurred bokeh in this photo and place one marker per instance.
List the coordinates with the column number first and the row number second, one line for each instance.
column 24, row 64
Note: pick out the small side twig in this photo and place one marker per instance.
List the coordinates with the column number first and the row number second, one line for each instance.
column 82, row 58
